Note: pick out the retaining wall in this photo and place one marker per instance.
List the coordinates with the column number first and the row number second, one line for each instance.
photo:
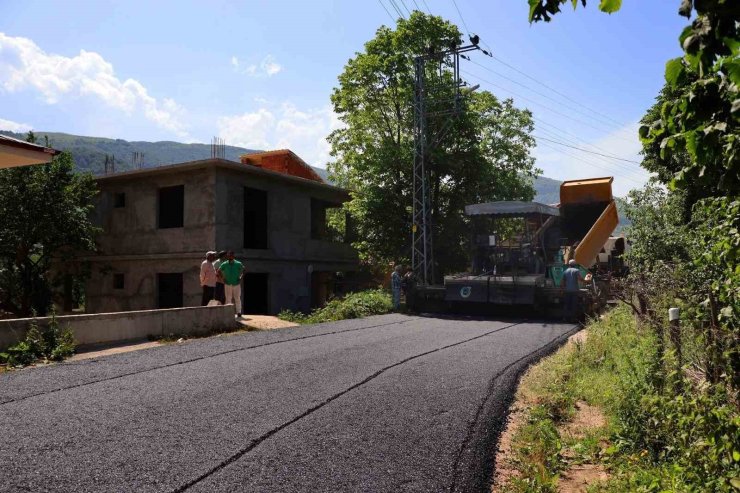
column 100, row 328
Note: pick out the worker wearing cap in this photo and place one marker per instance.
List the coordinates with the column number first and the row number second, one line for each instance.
column 571, row 279
column 208, row 278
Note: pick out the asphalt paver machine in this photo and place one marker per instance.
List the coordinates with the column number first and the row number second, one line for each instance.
column 520, row 250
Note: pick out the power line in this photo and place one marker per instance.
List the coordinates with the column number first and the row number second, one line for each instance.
column 553, row 90
column 393, row 19
column 461, row 17
column 585, row 150
column 427, row 6
column 543, row 94
column 590, row 163
column 405, row 7
column 625, row 167
column 565, row 115
column 417, row 6
column 397, row 9
column 547, row 86
column 579, row 141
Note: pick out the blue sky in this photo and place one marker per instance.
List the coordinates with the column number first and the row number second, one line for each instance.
column 260, row 73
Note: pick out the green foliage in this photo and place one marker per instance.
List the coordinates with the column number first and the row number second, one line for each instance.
column 702, row 118
column 679, row 438
column 51, row 342
column 354, row 305
column 44, row 212
column 716, row 288
column 484, row 155
column 699, row 435
column 658, row 233
column 543, row 10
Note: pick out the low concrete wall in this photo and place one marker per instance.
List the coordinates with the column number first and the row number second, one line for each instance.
column 121, row 326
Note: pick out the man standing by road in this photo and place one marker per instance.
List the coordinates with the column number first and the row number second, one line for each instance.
column 571, row 279
column 208, row 278
column 396, row 287
column 231, row 272
column 220, row 295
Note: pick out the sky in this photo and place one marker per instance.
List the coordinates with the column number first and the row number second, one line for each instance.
column 260, row 73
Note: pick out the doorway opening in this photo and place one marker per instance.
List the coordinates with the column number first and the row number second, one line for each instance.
column 255, row 293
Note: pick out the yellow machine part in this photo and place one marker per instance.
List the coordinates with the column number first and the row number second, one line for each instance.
column 589, row 248
column 586, row 191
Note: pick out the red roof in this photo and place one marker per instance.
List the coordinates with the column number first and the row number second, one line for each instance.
column 282, row 161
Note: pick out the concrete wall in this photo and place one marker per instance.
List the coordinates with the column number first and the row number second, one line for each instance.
column 133, row 229
column 140, row 291
column 113, row 327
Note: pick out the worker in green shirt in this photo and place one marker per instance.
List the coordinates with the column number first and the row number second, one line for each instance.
column 231, row 273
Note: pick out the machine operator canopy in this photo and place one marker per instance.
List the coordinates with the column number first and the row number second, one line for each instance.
column 511, row 208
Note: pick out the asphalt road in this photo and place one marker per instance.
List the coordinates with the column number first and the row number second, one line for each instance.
column 389, row 403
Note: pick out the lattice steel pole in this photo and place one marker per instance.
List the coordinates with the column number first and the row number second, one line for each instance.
column 421, row 231
column 422, row 257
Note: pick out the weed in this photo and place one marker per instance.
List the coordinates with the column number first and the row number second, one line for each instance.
column 51, row 343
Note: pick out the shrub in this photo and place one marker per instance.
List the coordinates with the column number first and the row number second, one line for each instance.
column 51, row 343
column 354, row 305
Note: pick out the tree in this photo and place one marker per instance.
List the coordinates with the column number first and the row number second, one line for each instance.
column 44, row 217
column 484, row 156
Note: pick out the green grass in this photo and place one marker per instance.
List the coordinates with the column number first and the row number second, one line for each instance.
column 655, row 439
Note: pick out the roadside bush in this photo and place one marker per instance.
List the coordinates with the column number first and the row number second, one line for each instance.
column 693, row 440
column 354, row 305
column 52, row 343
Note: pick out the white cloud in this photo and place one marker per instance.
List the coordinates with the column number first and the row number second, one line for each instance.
column 24, row 65
column 266, row 68
column 14, row 126
column 283, row 126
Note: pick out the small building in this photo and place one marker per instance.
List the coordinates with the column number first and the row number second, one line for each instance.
column 14, row 152
column 158, row 223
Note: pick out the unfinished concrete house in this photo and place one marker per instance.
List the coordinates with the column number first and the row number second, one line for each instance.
column 271, row 209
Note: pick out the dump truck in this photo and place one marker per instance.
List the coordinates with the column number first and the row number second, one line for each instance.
column 520, row 250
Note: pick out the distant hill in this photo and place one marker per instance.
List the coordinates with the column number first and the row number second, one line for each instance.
column 547, row 190
column 89, row 152
column 89, row 155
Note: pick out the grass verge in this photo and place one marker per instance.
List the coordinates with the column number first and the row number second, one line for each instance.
column 644, row 438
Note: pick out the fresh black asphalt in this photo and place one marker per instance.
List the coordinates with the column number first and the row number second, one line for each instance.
column 387, row 403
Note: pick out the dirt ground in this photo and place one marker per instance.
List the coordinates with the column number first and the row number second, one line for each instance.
column 99, row 351
column 577, row 477
column 265, row 322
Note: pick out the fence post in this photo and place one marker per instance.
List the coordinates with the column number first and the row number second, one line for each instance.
column 675, row 333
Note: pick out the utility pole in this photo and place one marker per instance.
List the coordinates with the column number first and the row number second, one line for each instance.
column 437, row 77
